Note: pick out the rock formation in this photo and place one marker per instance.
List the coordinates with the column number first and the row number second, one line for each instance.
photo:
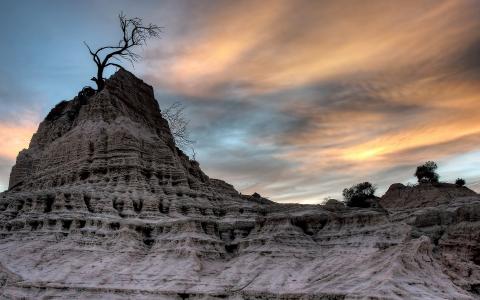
column 103, row 205
column 422, row 195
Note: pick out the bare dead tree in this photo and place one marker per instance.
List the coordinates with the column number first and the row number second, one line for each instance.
column 178, row 123
column 134, row 34
column 194, row 155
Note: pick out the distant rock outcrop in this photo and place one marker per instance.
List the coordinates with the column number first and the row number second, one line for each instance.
column 103, row 205
column 423, row 195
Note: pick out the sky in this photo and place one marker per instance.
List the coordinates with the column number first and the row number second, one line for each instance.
column 295, row 100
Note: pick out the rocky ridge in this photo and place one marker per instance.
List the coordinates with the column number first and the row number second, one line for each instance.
column 104, row 205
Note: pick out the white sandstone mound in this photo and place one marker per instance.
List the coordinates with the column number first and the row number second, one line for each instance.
column 102, row 205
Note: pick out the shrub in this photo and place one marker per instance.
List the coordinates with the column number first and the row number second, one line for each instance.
column 460, row 182
column 426, row 173
column 357, row 195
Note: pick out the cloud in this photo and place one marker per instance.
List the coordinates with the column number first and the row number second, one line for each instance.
column 16, row 100
column 15, row 137
column 19, row 118
column 299, row 99
column 281, row 44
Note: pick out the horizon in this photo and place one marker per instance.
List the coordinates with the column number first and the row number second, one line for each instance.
column 306, row 100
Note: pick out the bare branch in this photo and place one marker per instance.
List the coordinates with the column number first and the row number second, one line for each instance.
column 94, row 55
column 134, row 33
column 88, row 47
column 174, row 114
column 114, row 64
column 194, row 154
column 107, row 47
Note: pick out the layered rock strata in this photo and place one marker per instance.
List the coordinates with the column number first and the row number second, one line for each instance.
column 103, row 205
column 400, row 196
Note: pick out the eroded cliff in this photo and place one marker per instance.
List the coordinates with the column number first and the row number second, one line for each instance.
column 103, row 205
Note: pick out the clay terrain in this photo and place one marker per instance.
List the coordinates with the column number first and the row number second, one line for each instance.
column 103, row 205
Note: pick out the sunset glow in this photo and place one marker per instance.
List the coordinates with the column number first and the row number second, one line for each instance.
column 291, row 99
column 15, row 137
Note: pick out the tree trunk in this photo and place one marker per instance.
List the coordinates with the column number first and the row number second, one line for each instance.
column 100, row 82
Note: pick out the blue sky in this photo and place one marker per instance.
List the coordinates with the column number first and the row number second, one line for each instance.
column 292, row 99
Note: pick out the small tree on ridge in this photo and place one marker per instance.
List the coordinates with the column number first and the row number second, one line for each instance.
column 357, row 195
column 426, row 173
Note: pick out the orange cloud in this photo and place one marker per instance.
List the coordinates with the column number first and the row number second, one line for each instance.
column 15, row 137
column 361, row 141
column 403, row 84
column 281, row 44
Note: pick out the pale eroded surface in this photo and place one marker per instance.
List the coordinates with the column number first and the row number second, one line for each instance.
column 102, row 205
